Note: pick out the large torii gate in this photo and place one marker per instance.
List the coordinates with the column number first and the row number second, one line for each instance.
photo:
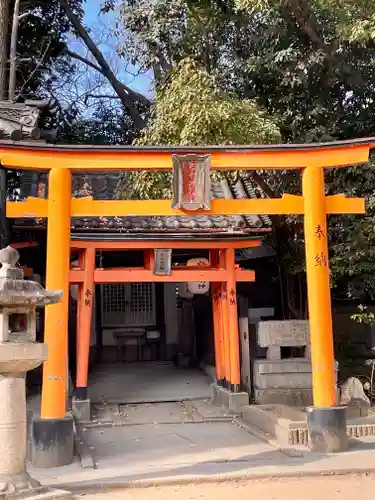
column 311, row 160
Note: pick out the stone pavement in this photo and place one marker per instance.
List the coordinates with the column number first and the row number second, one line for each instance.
column 191, row 441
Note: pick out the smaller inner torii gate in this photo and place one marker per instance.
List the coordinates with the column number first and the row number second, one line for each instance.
column 326, row 420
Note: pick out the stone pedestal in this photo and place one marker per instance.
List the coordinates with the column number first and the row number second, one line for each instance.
column 280, row 380
column 15, row 360
column 327, row 429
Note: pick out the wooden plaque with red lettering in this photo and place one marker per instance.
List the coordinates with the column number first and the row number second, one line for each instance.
column 191, row 182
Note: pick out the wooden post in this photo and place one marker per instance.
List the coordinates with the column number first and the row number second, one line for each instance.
column 215, row 288
column 85, row 317
column 223, row 306
column 234, row 338
column 79, row 308
column 56, row 320
column 318, row 288
column 149, row 259
column 217, row 321
column 224, row 320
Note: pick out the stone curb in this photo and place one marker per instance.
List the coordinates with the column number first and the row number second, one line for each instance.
column 99, row 486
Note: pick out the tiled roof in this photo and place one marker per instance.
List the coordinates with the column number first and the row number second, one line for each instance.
column 102, row 186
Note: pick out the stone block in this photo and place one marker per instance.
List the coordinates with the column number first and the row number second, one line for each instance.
column 289, row 397
column 292, row 373
column 287, row 374
column 274, row 352
column 283, row 333
column 278, row 421
column 234, row 401
column 81, row 409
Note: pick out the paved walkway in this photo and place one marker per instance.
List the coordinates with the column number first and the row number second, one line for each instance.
column 193, row 441
column 146, row 382
column 334, row 488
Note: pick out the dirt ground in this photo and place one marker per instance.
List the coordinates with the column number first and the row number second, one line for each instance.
column 356, row 487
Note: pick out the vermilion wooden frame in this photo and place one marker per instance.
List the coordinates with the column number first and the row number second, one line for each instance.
column 313, row 204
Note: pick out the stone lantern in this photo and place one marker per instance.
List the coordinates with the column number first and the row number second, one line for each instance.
column 19, row 353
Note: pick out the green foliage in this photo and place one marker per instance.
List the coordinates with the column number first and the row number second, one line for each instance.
column 353, row 237
column 355, row 19
column 191, row 110
column 40, row 46
column 364, row 316
column 106, row 126
column 309, row 64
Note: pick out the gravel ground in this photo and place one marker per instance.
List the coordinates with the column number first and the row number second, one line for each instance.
column 356, row 487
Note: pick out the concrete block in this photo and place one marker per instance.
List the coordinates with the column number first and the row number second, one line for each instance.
column 234, row 401
column 237, row 400
column 81, row 409
column 278, row 421
column 283, row 333
column 273, row 352
column 284, row 381
column 290, row 397
column 278, row 367
column 293, row 373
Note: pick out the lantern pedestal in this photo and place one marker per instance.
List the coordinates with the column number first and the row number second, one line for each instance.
column 15, row 360
column 19, row 353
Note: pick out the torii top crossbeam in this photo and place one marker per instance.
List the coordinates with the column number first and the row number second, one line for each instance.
column 285, row 156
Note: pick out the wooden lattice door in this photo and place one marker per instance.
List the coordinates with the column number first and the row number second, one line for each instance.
column 128, row 304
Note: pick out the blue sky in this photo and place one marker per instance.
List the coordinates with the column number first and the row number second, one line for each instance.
column 100, row 26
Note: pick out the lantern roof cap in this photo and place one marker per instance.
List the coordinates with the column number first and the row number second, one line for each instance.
column 15, row 291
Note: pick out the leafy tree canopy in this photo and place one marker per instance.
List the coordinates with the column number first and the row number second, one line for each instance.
column 191, row 110
column 310, row 65
column 355, row 19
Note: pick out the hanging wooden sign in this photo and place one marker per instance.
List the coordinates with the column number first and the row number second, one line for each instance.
column 191, row 182
column 163, row 261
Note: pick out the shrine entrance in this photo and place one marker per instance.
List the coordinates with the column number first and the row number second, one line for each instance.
column 220, row 274
column 191, row 187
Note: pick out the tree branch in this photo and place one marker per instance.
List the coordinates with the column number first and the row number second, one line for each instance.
column 83, row 59
column 127, row 96
column 39, row 63
column 136, row 95
column 101, row 96
column 258, row 179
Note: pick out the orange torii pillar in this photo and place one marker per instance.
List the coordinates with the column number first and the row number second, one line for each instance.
column 217, row 322
column 233, row 327
column 227, row 389
column 81, row 403
column 53, row 432
column 326, row 420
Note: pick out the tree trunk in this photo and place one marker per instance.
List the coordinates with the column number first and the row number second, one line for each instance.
column 121, row 90
column 13, row 51
column 4, row 27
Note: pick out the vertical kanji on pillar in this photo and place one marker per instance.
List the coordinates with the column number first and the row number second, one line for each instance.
column 85, row 317
column 233, row 332
column 318, row 288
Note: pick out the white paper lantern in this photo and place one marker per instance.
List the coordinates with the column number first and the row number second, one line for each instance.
column 184, row 292
column 198, row 287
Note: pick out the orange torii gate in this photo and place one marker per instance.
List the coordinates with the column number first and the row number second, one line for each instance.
column 311, row 160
